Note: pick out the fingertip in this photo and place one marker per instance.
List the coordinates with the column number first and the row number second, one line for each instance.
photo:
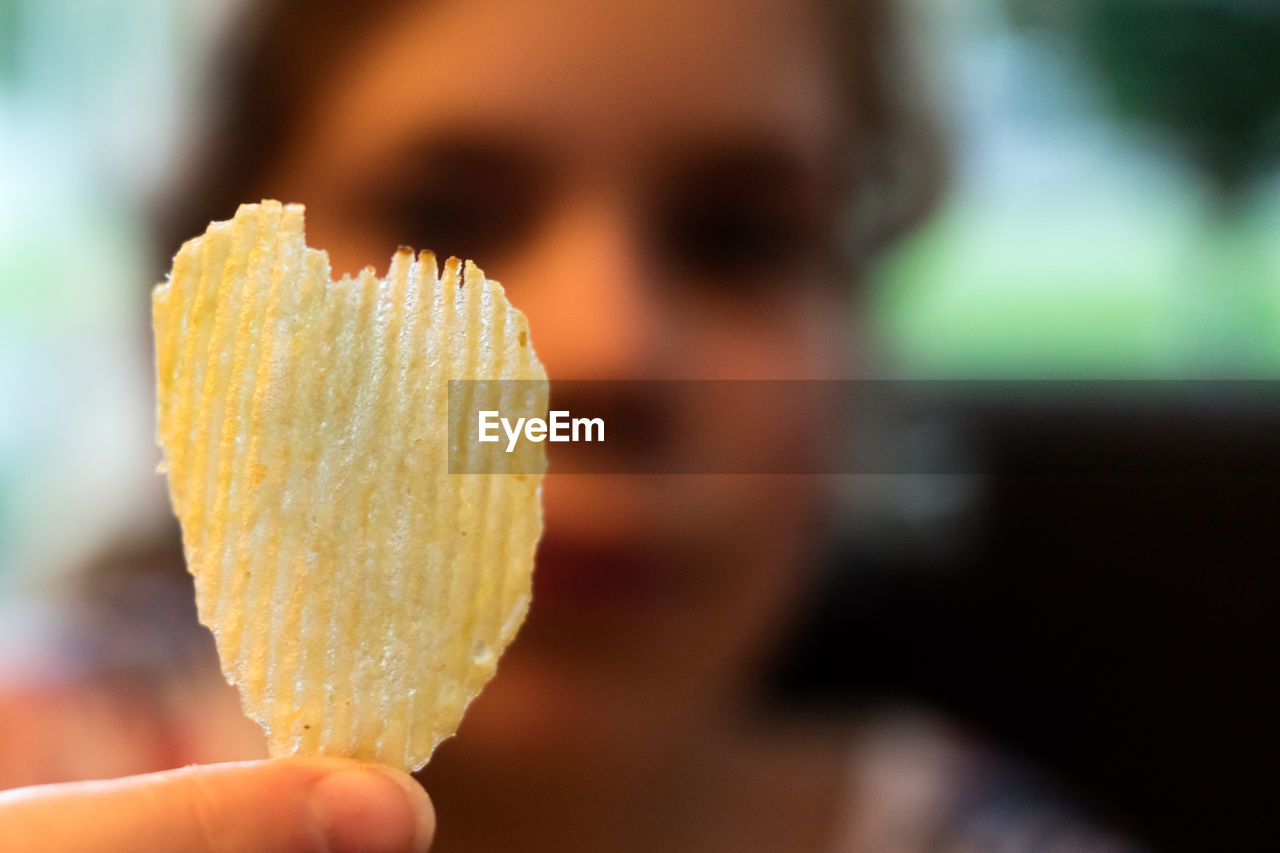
column 419, row 801
column 371, row 808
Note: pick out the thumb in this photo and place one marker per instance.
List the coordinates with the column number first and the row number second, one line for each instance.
column 311, row 804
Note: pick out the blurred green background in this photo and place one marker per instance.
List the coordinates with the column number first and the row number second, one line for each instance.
column 1114, row 211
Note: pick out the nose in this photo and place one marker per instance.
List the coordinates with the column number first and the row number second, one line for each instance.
column 589, row 291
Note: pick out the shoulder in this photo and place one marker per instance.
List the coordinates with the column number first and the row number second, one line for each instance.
column 917, row 783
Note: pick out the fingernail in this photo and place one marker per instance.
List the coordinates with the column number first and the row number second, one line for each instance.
column 372, row 809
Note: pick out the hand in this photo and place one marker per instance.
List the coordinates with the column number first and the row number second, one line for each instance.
column 280, row 806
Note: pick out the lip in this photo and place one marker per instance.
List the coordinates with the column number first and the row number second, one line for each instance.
column 600, row 576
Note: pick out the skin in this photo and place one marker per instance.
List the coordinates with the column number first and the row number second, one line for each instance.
column 566, row 145
column 269, row 806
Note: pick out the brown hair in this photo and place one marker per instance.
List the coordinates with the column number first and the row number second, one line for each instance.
column 284, row 51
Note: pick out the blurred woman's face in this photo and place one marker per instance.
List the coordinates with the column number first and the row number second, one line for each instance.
column 654, row 182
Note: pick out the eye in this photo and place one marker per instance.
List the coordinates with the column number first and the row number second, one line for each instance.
column 732, row 234
column 462, row 198
column 456, row 223
column 740, row 215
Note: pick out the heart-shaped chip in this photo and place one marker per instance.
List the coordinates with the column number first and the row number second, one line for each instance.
column 359, row 593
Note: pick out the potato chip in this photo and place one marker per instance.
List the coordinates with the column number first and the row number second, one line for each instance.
column 360, row 594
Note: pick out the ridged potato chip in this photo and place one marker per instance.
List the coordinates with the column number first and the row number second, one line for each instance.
column 360, row 594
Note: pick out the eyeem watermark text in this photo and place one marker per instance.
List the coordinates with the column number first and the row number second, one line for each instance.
column 557, row 427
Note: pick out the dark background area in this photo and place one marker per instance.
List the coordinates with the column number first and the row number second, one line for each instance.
column 1117, row 630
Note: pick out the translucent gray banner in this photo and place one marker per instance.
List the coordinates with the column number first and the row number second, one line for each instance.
column 790, row 427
